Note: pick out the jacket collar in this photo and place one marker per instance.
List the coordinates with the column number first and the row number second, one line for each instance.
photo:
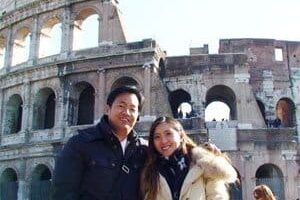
column 165, row 193
column 194, row 173
column 103, row 130
column 208, row 166
column 203, row 165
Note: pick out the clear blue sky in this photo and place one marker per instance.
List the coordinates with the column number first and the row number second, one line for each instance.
column 177, row 25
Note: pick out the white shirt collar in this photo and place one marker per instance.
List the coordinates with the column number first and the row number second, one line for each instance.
column 124, row 144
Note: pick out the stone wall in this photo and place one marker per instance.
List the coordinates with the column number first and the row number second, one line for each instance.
column 245, row 75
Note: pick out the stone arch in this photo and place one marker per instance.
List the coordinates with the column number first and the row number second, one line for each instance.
column 223, row 94
column 176, row 99
column 50, row 37
column 13, row 114
column 162, row 68
column 262, row 109
column 82, row 104
column 235, row 189
column 125, row 80
column 44, row 109
column 2, row 50
column 285, row 112
column 85, row 24
column 86, row 106
column 9, row 184
column 217, row 111
column 21, row 46
column 271, row 175
column 40, row 183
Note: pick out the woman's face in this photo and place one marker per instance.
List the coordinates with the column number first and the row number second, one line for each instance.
column 166, row 138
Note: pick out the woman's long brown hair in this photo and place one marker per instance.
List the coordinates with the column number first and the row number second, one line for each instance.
column 150, row 174
column 263, row 192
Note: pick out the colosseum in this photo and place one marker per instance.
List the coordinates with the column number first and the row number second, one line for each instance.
column 52, row 83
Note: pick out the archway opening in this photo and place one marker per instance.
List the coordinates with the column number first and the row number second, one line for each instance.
column 224, row 97
column 44, row 109
column 185, row 110
column 40, row 183
column 271, row 176
column 50, row 38
column 2, row 51
column 86, row 30
column 21, row 46
column 125, row 81
column 285, row 113
column 262, row 109
column 9, row 184
column 81, row 104
column 50, row 111
column 181, row 104
column 235, row 189
column 86, row 106
column 162, row 68
column 217, row 111
column 13, row 115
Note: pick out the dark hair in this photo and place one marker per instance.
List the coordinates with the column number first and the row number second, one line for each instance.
column 125, row 89
column 150, row 176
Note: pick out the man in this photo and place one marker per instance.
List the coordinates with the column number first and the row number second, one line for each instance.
column 104, row 162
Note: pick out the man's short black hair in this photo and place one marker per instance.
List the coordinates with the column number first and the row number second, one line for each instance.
column 125, row 89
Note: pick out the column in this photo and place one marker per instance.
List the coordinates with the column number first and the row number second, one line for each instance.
column 23, row 186
column 67, row 33
column 60, row 108
column 100, row 95
column 99, row 30
column 26, row 105
column 248, row 178
column 297, row 113
column 199, row 101
column 9, row 49
column 147, row 89
column 33, row 52
column 62, row 103
column 1, row 113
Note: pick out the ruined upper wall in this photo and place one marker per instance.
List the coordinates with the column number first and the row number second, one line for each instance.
column 10, row 5
column 186, row 65
column 262, row 59
column 261, row 51
column 13, row 11
column 7, row 6
column 36, row 17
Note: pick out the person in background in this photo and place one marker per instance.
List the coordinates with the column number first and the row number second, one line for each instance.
column 104, row 162
column 263, row 192
column 177, row 169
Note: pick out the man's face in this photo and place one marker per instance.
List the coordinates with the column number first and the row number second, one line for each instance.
column 123, row 113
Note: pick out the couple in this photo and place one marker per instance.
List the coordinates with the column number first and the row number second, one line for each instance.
column 109, row 162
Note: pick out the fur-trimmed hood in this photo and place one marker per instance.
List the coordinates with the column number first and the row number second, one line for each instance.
column 206, row 179
column 215, row 167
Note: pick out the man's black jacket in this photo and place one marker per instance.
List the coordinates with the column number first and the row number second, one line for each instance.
column 92, row 166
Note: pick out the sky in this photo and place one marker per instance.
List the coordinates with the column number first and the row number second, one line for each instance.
column 178, row 25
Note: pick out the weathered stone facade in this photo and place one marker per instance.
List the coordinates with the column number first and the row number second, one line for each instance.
column 44, row 99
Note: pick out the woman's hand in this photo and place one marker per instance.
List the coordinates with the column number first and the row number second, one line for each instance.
column 212, row 148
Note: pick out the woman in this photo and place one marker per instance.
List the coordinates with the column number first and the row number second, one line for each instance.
column 263, row 192
column 177, row 169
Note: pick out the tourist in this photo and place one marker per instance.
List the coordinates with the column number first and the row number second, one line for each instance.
column 263, row 192
column 177, row 169
column 104, row 162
